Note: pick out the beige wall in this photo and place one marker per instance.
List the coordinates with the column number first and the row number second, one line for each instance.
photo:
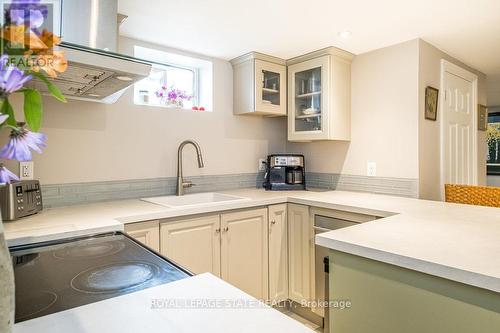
column 384, row 118
column 493, row 90
column 429, row 131
column 95, row 142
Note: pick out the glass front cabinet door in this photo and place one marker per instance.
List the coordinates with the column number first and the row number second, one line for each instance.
column 259, row 85
column 319, row 98
column 308, row 101
column 270, row 88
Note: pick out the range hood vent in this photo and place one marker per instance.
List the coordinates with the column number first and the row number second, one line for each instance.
column 95, row 71
column 95, row 75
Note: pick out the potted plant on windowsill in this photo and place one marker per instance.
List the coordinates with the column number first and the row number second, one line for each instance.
column 173, row 97
column 27, row 52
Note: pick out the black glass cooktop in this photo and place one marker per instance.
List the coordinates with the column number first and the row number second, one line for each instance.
column 61, row 275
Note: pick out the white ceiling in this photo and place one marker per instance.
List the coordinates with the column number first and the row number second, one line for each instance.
column 466, row 29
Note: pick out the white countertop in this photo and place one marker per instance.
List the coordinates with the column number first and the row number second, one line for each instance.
column 456, row 242
column 218, row 307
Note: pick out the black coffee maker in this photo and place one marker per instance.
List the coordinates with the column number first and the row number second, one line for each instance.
column 285, row 172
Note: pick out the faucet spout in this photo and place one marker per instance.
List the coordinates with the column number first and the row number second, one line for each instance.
column 181, row 185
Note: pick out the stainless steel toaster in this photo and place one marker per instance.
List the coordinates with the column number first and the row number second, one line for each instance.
column 20, row 199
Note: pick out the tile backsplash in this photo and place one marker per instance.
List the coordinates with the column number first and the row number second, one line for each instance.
column 84, row 193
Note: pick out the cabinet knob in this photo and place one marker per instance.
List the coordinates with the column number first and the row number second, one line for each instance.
column 217, row 231
column 273, row 222
column 226, row 229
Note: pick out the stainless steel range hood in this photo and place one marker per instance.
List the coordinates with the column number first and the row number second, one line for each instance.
column 89, row 30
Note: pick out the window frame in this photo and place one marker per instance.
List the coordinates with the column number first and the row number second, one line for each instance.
column 493, row 169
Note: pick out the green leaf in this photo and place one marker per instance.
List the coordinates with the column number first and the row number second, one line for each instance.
column 7, row 109
column 33, row 109
column 54, row 90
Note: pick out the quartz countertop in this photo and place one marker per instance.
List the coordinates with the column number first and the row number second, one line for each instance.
column 456, row 242
column 201, row 303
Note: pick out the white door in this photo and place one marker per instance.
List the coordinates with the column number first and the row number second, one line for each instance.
column 459, row 128
column 244, row 251
column 193, row 243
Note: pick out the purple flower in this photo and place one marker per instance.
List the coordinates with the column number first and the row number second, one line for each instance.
column 172, row 94
column 30, row 13
column 6, row 176
column 21, row 143
column 11, row 77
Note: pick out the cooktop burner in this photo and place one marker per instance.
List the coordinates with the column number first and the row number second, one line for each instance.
column 61, row 275
column 90, row 250
column 115, row 277
column 36, row 301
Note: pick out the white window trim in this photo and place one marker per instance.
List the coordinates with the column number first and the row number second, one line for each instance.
column 197, row 86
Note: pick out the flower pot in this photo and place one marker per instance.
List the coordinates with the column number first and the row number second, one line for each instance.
column 178, row 104
column 6, row 286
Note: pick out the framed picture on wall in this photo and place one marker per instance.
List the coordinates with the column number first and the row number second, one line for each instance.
column 431, row 103
column 482, row 118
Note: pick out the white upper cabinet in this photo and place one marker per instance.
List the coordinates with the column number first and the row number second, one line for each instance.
column 259, row 85
column 319, row 96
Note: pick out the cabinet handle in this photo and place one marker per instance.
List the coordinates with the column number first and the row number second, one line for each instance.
column 226, row 229
column 217, row 230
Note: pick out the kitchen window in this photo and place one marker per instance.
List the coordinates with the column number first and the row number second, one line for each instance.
column 176, row 81
column 494, row 143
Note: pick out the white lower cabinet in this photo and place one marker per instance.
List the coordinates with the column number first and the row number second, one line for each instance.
column 244, row 251
column 278, row 253
column 193, row 243
column 147, row 233
column 266, row 252
column 301, row 252
column 233, row 246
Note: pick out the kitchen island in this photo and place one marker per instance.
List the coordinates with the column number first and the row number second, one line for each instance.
column 201, row 303
column 432, row 268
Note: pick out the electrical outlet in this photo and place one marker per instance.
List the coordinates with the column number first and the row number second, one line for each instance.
column 371, row 170
column 262, row 164
column 26, row 170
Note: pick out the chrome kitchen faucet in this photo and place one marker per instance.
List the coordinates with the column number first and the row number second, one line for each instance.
column 181, row 185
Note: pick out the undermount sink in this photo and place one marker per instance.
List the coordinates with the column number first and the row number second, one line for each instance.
column 200, row 199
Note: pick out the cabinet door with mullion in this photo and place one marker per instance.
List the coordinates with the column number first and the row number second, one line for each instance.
column 270, row 88
column 309, row 90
